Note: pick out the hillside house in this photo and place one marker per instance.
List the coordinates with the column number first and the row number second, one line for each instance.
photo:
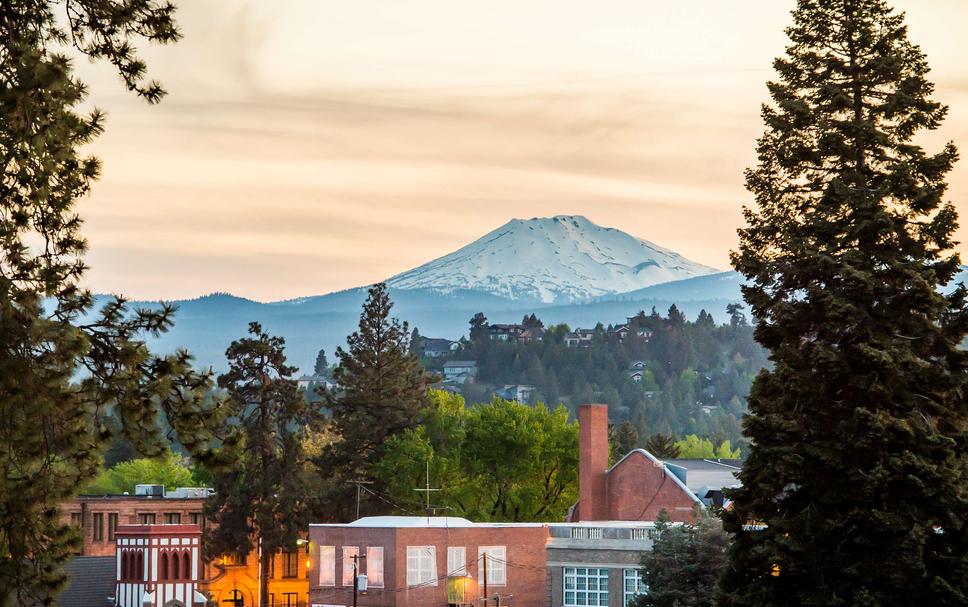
column 460, row 371
column 433, row 347
column 621, row 332
column 579, row 338
column 520, row 393
column 515, row 333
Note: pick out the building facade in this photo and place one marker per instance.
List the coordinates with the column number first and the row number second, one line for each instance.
column 429, row 561
column 158, row 566
column 230, row 581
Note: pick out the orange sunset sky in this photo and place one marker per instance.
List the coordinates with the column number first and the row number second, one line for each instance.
column 312, row 145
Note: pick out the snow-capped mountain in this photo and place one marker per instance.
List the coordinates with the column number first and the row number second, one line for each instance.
column 559, row 259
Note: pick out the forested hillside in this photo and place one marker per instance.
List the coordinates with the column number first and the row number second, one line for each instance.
column 695, row 378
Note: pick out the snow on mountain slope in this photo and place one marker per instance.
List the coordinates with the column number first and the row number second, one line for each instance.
column 559, row 259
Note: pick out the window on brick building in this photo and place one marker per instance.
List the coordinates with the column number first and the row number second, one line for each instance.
column 290, row 563
column 374, row 566
column 327, row 565
column 421, row 566
column 290, row 599
column 146, row 518
column 348, row 553
column 98, row 520
column 496, row 565
column 585, row 587
column 173, row 518
column 77, row 519
column 456, row 560
column 634, row 585
column 112, row 525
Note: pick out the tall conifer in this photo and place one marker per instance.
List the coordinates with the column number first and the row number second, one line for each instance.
column 854, row 490
column 261, row 493
column 70, row 377
column 382, row 389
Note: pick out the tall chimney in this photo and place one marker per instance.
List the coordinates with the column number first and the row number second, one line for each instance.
column 592, row 462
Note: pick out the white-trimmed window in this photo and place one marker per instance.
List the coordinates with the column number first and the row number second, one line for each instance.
column 456, row 561
column 634, row 584
column 421, row 566
column 348, row 553
column 586, row 587
column 496, row 565
column 327, row 565
column 374, row 566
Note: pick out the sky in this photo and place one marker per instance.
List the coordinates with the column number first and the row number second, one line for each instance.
column 308, row 146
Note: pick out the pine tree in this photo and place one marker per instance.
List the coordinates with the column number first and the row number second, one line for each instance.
column 321, row 367
column 478, row 326
column 71, row 378
column 662, row 446
column 383, row 389
column 859, row 433
column 261, row 493
column 621, row 440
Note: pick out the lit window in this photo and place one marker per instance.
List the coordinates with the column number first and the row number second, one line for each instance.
column 327, row 565
column 456, row 560
column 586, row 587
column 290, row 563
column 496, row 565
column 421, row 566
column 634, row 585
column 348, row 553
column 374, row 566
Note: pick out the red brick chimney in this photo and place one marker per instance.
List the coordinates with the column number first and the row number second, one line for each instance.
column 592, row 463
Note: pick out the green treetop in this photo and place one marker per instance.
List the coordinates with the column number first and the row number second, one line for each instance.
column 857, row 462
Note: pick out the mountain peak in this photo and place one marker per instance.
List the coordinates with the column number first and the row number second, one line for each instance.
column 558, row 259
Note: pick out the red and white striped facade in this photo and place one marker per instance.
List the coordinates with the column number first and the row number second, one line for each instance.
column 158, row 565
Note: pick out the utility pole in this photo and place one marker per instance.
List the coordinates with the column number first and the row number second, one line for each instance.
column 356, row 575
column 359, row 488
column 485, row 579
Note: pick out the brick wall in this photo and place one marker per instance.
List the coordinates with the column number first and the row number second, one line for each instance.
column 526, row 568
column 638, row 490
column 127, row 508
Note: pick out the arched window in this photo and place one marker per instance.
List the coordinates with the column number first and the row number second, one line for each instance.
column 163, row 566
column 186, row 565
column 175, row 566
column 139, row 566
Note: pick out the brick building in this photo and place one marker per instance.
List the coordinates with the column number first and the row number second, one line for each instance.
column 636, row 488
column 231, row 580
column 100, row 515
column 429, row 561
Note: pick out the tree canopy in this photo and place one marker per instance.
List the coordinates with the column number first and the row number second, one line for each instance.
column 66, row 368
column 500, row 461
column 853, row 491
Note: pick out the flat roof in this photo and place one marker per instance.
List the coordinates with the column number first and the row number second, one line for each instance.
column 420, row 522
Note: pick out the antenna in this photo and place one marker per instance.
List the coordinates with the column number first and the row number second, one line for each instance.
column 427, row 491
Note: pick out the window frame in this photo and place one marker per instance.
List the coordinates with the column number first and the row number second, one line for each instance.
column 414, row 576
column 491, row 569
column 112, row 526
column 574, row 574
column 327, row 556
column 461, row 569
column 371, row 552
column 347, row 553
column 640, row 585
column 97, row 526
